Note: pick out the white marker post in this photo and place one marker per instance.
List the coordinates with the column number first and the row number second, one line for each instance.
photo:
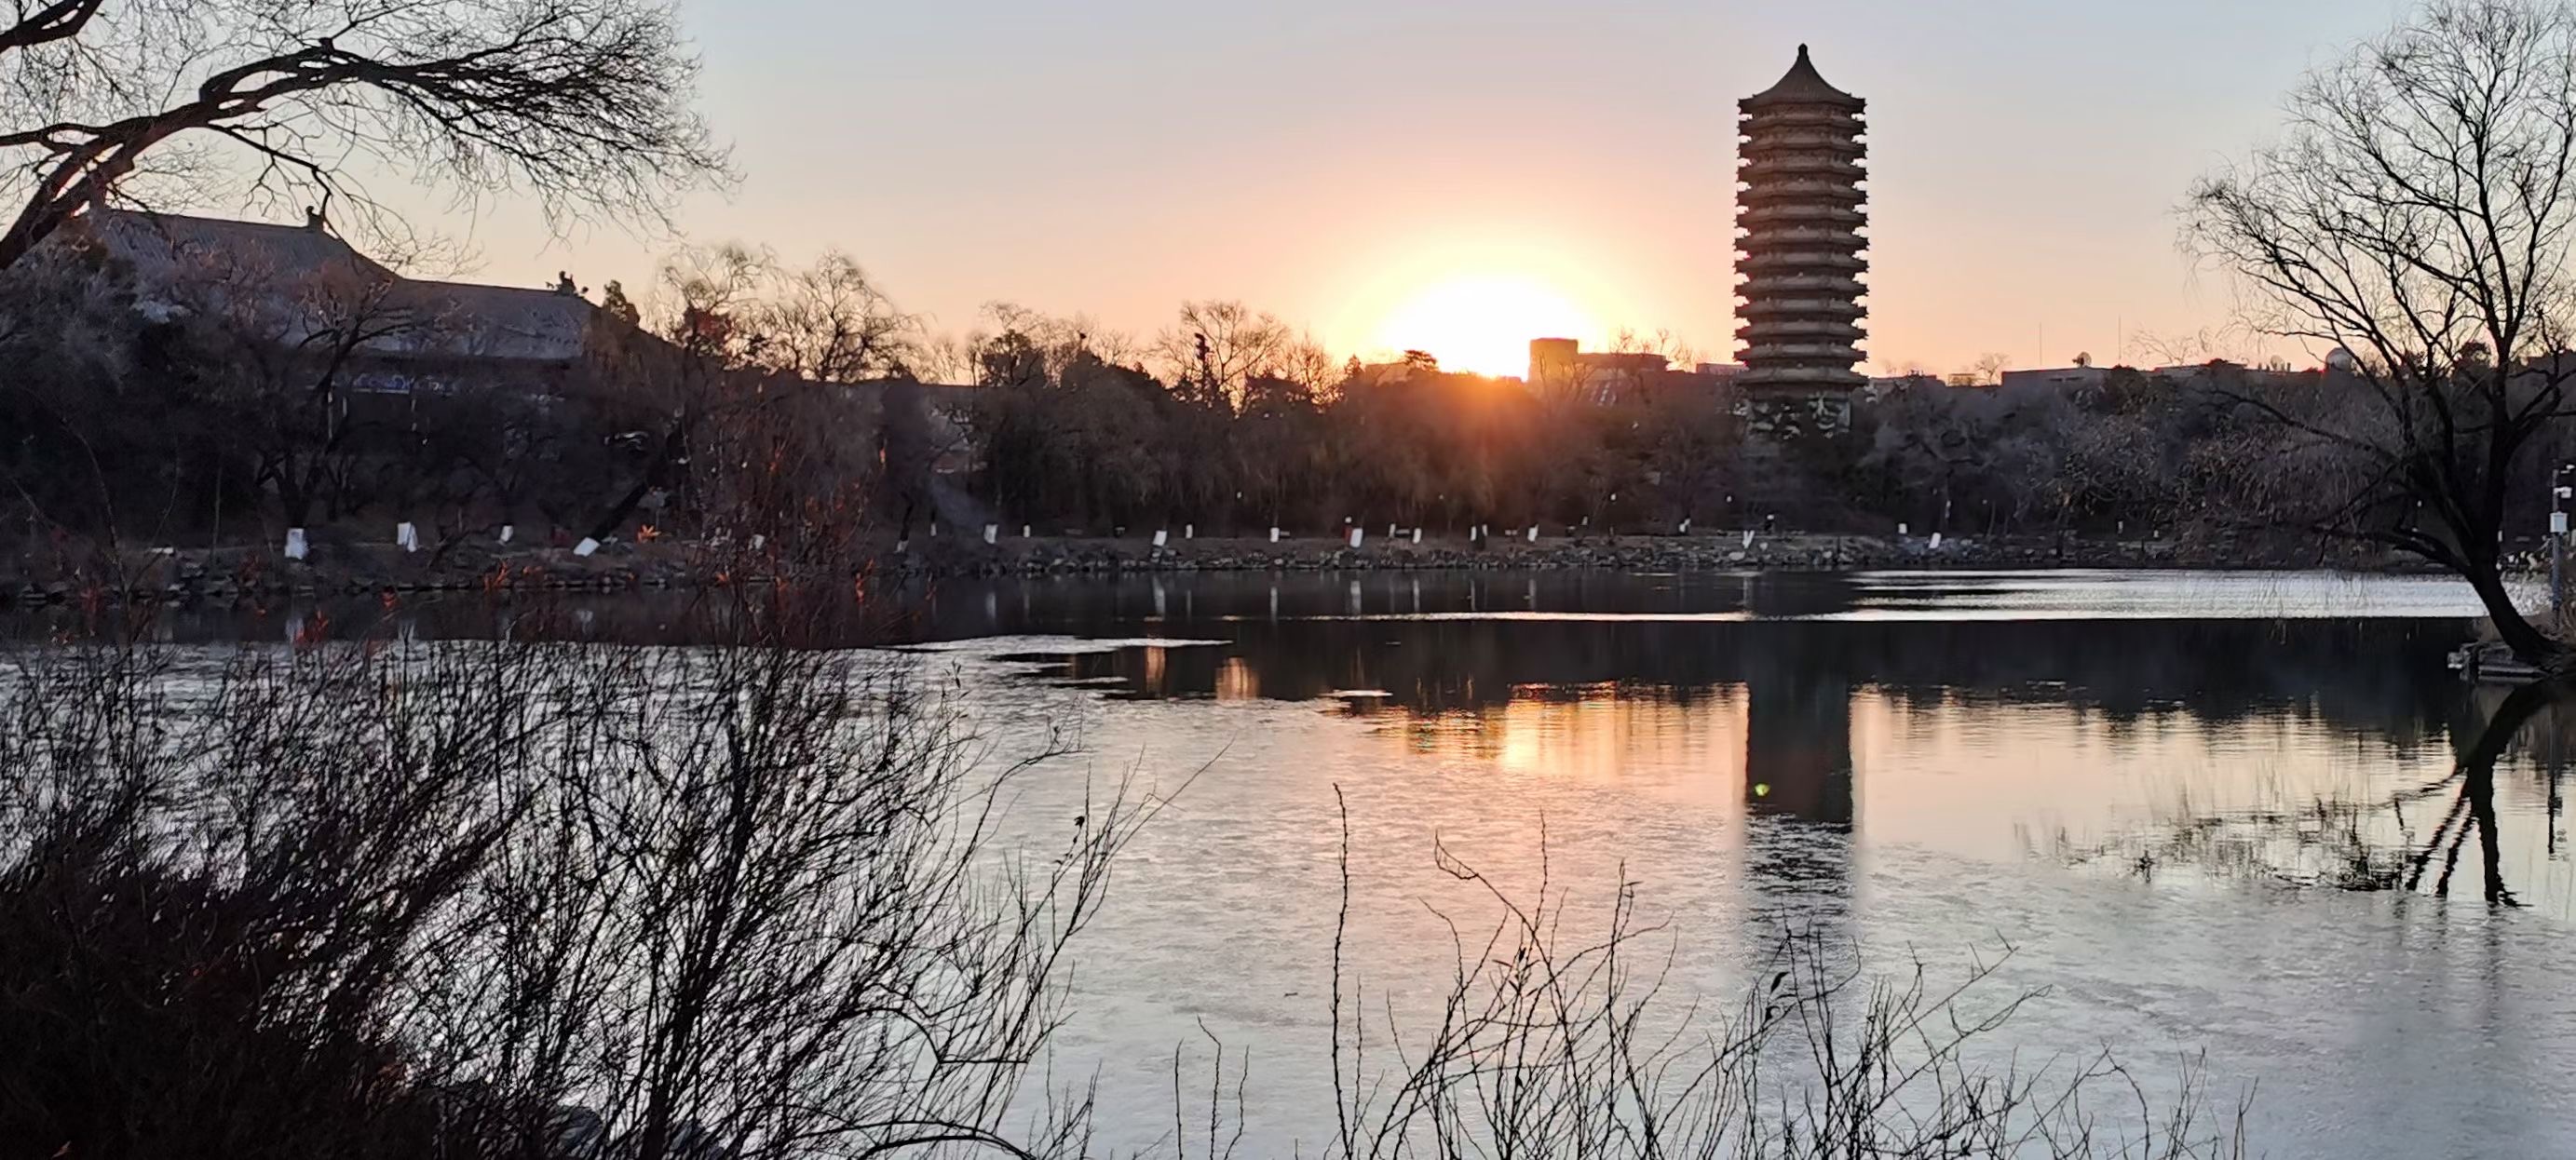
column 508, row 531
column 1533, row 533
column 1355, row 536
column 407, row 536
column 1189, row 531
column 1161, row 537
column 296, row 547
column 1417, row 535
column 992, row 533
column 1274, row 535
column 1936, row 541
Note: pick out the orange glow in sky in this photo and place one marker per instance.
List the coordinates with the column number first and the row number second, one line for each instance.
column 1482, row 322
column 1462, row 178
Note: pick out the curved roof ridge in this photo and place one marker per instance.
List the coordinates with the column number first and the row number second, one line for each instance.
column 1803, row 85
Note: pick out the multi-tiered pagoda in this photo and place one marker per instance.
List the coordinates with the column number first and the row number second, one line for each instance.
column 1801, row 215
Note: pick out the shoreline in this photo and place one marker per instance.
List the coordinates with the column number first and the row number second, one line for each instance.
column 170, row 575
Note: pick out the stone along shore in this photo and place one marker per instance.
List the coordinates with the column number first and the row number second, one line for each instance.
column 239, row 572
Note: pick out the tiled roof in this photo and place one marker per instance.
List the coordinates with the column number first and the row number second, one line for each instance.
column 506, row 322
column 159, row 243
column 456, row 319
column 1802, row 85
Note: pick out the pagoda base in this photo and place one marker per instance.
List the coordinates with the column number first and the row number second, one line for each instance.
column 1790, row 414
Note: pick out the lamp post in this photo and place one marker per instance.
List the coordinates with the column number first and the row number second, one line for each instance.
column 2558, row 490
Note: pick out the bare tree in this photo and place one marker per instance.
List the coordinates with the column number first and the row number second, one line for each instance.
column 2419, row 214
column 1019, row 346
column 509, row 901
column 1308, row 364
column 1547, row 1041
column 583, row 102
column 1214, row 348
column 283, row 357
column 831, row 324
column 2194, row 349
column 1663, row 342
column 68, row 339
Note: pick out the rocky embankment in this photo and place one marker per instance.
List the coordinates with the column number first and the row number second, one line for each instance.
column 55, row 575
column 1700, row 553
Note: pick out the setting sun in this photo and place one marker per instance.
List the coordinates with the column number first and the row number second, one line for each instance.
column 1483, row 323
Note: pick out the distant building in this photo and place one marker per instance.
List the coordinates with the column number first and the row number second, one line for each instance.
column 1560, row 367
column 294, row 282
column 2058, row 377
column 1553, row 359
column 1801, row 213
column 426, row 338
column 2220, row 372
column 2215, row 371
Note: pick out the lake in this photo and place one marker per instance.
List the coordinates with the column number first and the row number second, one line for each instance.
column 2215, row 816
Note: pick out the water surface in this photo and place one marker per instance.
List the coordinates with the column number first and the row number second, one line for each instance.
column 2206, row 813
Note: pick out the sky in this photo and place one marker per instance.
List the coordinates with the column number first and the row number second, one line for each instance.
column 1387, row 174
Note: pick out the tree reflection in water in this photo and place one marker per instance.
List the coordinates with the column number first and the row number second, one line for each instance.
column 2378, row 842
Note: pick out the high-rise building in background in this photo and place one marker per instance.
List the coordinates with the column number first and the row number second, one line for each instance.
column 1800, row 259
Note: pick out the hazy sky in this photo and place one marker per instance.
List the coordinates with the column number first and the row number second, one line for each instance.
column 1523, row 165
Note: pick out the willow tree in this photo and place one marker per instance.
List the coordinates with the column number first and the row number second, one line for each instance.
column 584, row 104
column 2417, row 213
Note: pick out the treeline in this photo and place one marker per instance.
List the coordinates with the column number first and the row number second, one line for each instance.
column 1257, row 429
column 748, row 403
column 1082, row 432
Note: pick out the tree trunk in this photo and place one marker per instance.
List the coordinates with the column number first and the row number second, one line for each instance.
column 2528, row 643
column 674, row 443
column 294, row 501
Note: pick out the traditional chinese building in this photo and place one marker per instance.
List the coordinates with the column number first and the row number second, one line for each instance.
column 1801, row 213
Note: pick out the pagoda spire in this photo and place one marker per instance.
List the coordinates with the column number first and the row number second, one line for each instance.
column 1801, row 213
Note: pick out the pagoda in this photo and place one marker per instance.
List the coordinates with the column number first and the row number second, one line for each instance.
column 1800, row 211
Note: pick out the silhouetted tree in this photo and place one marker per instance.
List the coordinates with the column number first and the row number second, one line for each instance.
column 1214, row 348
column 583, row 102
column 2419, row 214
